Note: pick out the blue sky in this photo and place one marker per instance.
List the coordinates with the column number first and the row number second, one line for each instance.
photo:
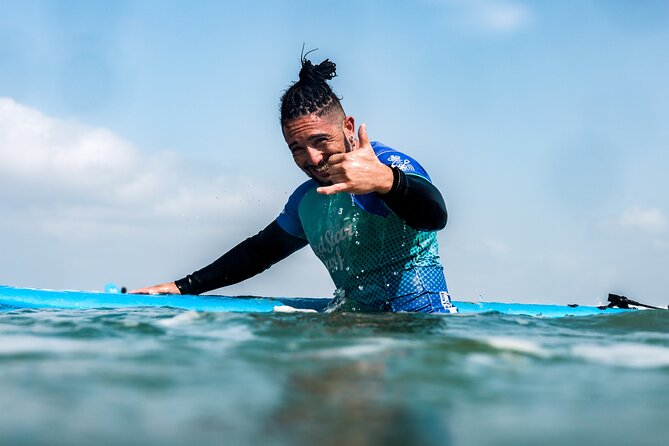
column 140, row 140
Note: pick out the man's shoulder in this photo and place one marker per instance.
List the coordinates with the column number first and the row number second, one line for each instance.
column 380, row 148
column 395, row 158
column 305, row 187
column 301, row 191
column 289, row 218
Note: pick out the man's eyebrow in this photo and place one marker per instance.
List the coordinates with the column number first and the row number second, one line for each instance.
column 311, row 138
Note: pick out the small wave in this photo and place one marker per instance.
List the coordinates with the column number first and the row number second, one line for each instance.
column 235, row 333
column 203, row 325
column 517, row 345
column 649, row 321
column 289, row 309
column 366, row 347
column 185, row 318
column 21, row 344
column 624, row 355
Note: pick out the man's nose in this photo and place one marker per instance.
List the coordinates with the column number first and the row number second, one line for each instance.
column 314, row 156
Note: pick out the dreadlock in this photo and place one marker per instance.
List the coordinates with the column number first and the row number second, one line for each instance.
column 311, row 93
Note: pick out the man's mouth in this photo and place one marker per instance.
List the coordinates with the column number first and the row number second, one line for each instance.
column 321, row 170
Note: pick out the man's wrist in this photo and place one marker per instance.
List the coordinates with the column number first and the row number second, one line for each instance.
column 399, row 183
column 388, row 180
column 185, row 285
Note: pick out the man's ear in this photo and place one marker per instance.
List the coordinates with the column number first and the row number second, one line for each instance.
column 349, row 126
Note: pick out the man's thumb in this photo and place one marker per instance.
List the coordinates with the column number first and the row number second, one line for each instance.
column 362, row 135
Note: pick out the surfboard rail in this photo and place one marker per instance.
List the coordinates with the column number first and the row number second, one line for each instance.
column 14, row 298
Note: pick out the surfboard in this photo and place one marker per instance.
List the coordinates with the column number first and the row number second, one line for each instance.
column 17, row 298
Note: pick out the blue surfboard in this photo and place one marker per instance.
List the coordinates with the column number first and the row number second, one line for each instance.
column 14, row 298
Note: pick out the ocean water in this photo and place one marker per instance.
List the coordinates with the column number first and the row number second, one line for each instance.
column 160, row 376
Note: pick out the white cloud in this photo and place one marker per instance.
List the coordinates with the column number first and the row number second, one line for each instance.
column 649, row 220
column 497, row 16
column 65, row 166
column 33, row 145
column 80, row 206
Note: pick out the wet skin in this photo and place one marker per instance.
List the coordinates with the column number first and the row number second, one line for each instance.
column 319, row 146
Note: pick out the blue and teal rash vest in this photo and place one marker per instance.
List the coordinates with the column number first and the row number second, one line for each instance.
column 376, row 260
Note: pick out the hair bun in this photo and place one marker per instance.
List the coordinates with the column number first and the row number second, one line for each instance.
column 322, row 72
column 311, row 93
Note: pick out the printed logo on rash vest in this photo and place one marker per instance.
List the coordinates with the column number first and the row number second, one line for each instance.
column 327, row 248
column 403, row 165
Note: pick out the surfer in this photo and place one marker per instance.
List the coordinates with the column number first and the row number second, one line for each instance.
column 369, row 212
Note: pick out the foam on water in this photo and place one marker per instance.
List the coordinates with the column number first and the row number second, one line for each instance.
column 289, row 309
column 624, row 354
column 26, row 344
column 364, row 348
column 518, row 345
column 185, row 318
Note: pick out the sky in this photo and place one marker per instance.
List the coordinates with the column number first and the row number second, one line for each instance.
column 139, row 140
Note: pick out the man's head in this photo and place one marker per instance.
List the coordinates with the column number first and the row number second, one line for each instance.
column 313, row 121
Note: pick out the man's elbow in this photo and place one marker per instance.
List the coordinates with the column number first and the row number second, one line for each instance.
column 440, row 219
column 443, row 219
column 440, row 215
column 434, row 220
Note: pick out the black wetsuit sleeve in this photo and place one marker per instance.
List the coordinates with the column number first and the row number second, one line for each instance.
column 252, row 256
column 416, row 201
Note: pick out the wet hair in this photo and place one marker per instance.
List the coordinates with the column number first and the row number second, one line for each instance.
column 311, row 93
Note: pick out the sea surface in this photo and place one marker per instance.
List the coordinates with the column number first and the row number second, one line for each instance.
column 160, row 376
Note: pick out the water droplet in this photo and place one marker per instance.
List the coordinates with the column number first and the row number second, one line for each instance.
column 360, row 287
column 357, row 242
column 341, row 210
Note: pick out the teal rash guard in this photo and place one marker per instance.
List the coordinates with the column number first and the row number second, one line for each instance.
column 380, row 250
column 377, row 260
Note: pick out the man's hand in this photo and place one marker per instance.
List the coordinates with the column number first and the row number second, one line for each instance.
column 358, row 171
column 165, row 288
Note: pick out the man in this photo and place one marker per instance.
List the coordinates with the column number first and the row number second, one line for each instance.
column 368, row 212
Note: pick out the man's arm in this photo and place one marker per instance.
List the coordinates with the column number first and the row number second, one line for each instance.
column 416, row 201
column 413, row 198
column 250, row 257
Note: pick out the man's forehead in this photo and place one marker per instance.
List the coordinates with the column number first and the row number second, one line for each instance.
column 308, row 124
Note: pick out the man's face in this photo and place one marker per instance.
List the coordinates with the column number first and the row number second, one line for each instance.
column 313, row 139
